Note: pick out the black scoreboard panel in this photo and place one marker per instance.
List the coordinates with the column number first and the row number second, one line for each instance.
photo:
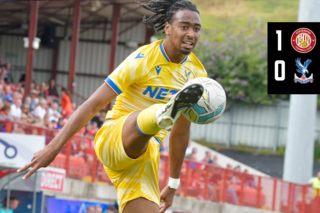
column 293, row 58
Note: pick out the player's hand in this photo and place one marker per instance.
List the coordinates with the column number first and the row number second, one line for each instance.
column 40, row 159
column 166, row 196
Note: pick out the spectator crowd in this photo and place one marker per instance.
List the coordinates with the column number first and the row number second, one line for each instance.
column 46, row 106
column 197, row 171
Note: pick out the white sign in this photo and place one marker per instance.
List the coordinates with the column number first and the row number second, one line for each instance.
column 17, row 150
column 53, row 179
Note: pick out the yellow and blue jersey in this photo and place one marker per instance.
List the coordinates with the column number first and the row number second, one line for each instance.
column 145, row 78
column 148, row 77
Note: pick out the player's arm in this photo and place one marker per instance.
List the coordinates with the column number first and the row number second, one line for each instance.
column 179, row 139
column 99, row 99
column 178, row 143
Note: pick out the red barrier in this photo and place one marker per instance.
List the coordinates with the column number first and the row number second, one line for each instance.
column 8, row 127
column 224, row 187
column 206, row 177
column 303, row 199
column 258, row 194
column 242, row 187
column 198, row 180
column 274, row 194
column 289, row 198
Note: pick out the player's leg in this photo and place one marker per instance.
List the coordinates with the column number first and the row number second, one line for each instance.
column 134, row 142
column 129, row 176
column 139, row 127
column 141, row 205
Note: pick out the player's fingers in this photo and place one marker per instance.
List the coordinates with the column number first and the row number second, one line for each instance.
column 24, row 168
column 161, row 210
column 30, row 173
column 164, row 208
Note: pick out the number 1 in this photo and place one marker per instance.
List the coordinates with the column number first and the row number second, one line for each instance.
column 279, row 39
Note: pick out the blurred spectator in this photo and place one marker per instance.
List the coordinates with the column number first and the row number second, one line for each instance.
column 99, row 209
column 189, row 149
column 33, row 85
column 74, row 107
column 111, row 209
column 6, row 75
column 232, row 193
column 22, row 79
column 28, row 101
column 13, row 204
column 60, row 123
column 236, row 178
column 66, row 106
column 52, row 91
column 91, row 130
column 23, row 118
column 43, row 90
column 102, row 117
column 99, row 119
column 22, row 91
column 208, row 159
column 95, row 128
column 88, row 127
column 8, row 91
column 216, row 176
column 54, row 115
column 16, row 95
column 34, row 99
column 2, row 93
column 37, row 89
column 229, row 166
column 8, row 101
column 194, row 152
column 81, row 132
column 40, row 110
column 4, row 113
column 315, row 182
column 233, row 179
column 26, row 111
column 90, row 209
column 46, row 121
column 193, row 158
column 15, row 110
column 54, row 124
column 249, row 180
column 215, row 160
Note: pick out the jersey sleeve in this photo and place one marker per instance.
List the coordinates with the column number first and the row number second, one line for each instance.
column 126, row 73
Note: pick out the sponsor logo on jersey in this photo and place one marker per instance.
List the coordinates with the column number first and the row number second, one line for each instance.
column 158, row 93
column 158, row 69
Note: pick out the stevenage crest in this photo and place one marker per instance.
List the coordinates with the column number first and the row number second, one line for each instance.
column 303, row 40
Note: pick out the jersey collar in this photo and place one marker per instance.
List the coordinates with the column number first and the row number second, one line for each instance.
column 163, row 51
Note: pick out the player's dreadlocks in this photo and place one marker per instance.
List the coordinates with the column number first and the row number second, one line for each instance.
column 164, row 10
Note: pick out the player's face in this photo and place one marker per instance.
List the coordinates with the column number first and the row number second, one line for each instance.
column 185, row 30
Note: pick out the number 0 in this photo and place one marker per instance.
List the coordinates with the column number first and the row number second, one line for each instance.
column 279, row 39
column 276, row 71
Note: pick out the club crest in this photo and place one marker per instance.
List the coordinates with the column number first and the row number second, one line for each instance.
column 303, row 40
column 303, row 69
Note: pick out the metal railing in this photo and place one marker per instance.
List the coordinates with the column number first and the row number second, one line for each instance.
column 198, row 180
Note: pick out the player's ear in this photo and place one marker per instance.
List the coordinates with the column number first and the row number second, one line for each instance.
column 167, row 28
